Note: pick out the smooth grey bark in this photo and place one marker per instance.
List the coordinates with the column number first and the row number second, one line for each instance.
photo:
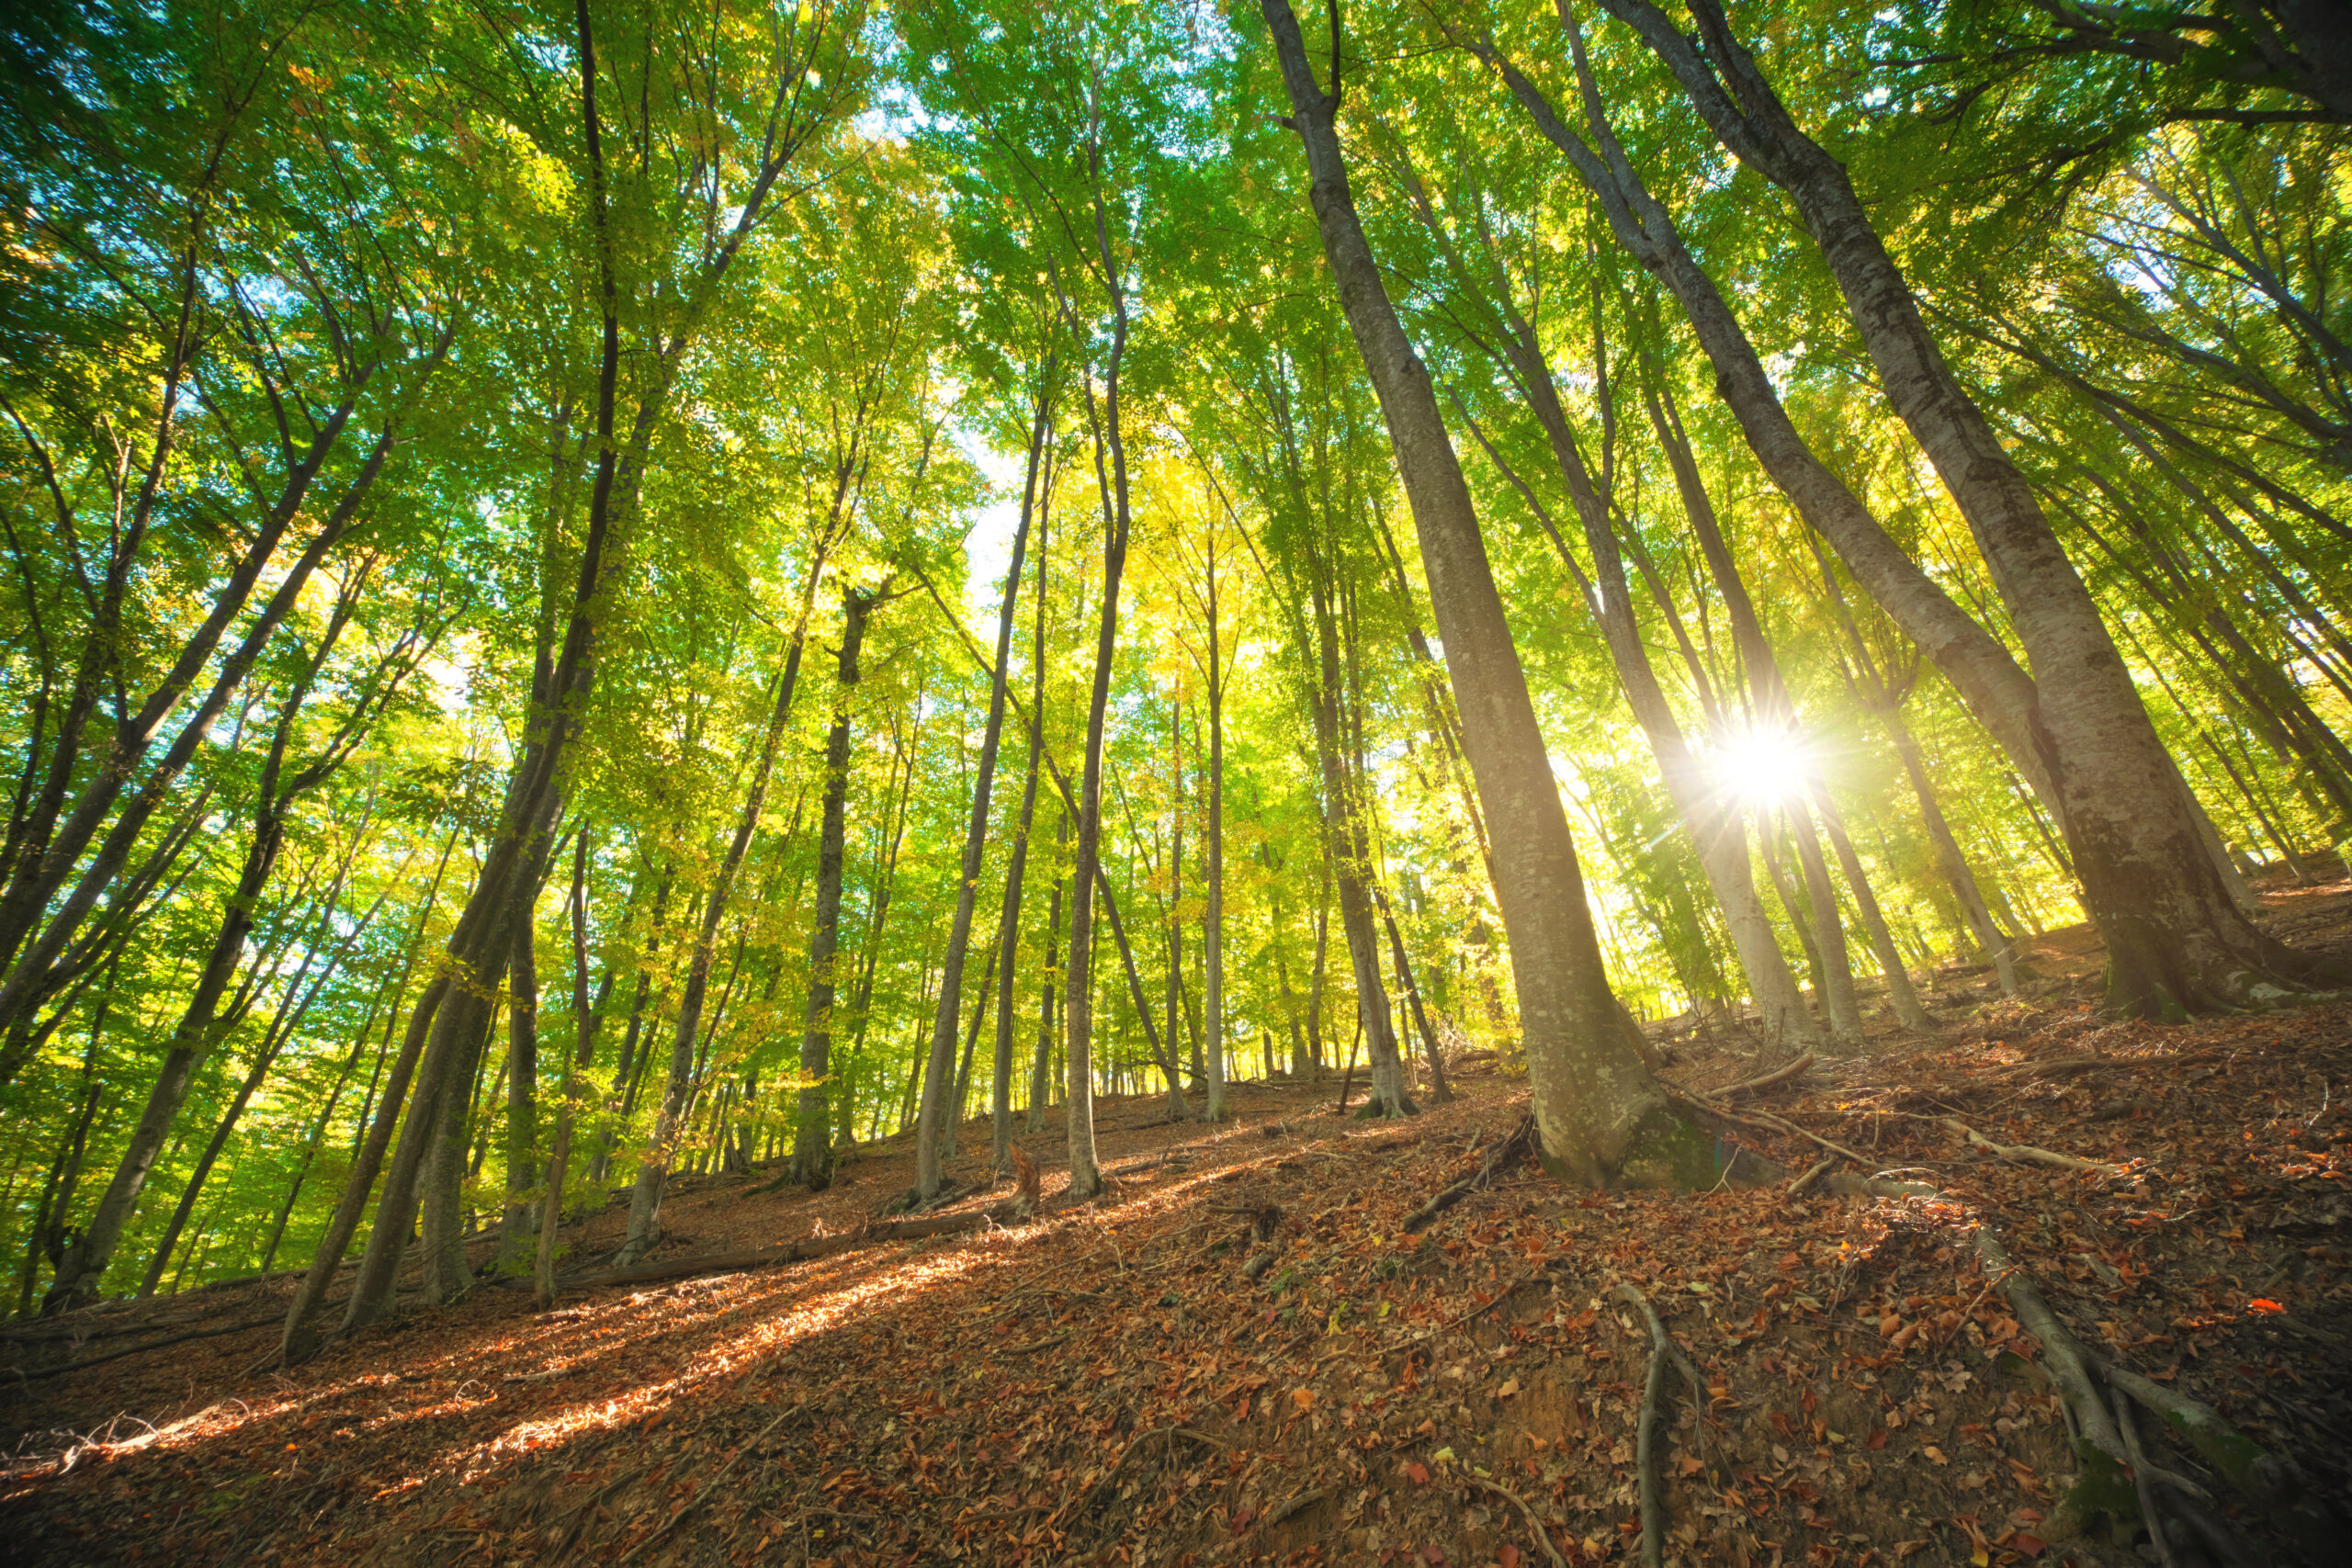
column 1595, row 1103
column 812, row 1150
column 931, row 1116
column 2175, row 939
column 1016, row 868
column 1718, row 836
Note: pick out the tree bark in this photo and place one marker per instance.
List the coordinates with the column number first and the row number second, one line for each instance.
column 931, row 1117
column 2175, row 939
column 812, row 1150
column 1597, row 1111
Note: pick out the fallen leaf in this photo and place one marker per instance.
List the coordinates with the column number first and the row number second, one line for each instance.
column 1509, row 1388
column 1417, row 1473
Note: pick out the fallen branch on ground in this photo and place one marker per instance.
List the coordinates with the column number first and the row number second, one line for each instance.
column 809, row 1249
column 1766, row 1081
column 240, row 1326
column 1521, row 1140
column 2017, row 1154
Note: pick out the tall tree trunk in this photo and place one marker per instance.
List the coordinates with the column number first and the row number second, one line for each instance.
column 1015, row 871
column 1042, row 1077
column 2175, row 938
column 1597, row 1111
column 1110, row 481
column 1351, row 860
column 812, row 1151
column 1844, row 1012
column 1213, row 918
column 1439, row 1091
column 1997, row 690
column 1709, row 816
column 584, row 1014
column 522, row 1102
column 930, row 1122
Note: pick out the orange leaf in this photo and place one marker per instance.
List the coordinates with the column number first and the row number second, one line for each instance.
column 1417, row 1473
column 1508, row 1557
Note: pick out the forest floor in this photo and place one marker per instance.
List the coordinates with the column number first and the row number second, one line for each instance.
column 1107, row 1385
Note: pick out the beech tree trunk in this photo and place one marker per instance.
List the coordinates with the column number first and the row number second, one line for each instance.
column 932, row 1118
column 2175, row 939
column 1599, row 1113
column 1709, row 816
column 812, row 1149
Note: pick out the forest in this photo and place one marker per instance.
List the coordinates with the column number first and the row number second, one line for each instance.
column 775, row 705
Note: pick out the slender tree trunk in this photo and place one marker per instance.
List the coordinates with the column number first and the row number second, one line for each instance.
column 1709, row 816
column 522, row 1103
column 1439, row 1091
column 932, row 1118
column 652, row 1171
column 1997, row 690
column 1213, row 919
column 1900, row 996
column 1042, row 1076
column 812, row 1153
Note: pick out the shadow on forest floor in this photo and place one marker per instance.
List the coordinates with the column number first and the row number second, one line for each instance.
column 1107, row 1385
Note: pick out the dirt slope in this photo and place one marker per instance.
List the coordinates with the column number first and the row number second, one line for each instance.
column 1114, row 1385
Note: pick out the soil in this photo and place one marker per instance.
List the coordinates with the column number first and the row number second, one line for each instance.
column 1114, row 1383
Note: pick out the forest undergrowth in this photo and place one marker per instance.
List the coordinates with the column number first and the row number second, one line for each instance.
column 1269, row 1343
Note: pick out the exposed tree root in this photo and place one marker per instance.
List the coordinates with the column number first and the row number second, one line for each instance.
column 1646, row 1455
column 1780, row 1075
column 1542, row 1536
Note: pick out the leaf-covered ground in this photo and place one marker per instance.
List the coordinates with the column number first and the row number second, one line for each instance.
column 1115, row 1384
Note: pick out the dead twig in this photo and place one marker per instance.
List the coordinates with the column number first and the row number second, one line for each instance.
column 1782, row 1074
column 1521, row 1139
column 688, row 1505
column 1817, row 1170
column 1542, row 1536
column 2015, row 1154
column 1079, row 1505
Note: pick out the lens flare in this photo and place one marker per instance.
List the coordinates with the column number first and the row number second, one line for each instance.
column 1763, row 767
